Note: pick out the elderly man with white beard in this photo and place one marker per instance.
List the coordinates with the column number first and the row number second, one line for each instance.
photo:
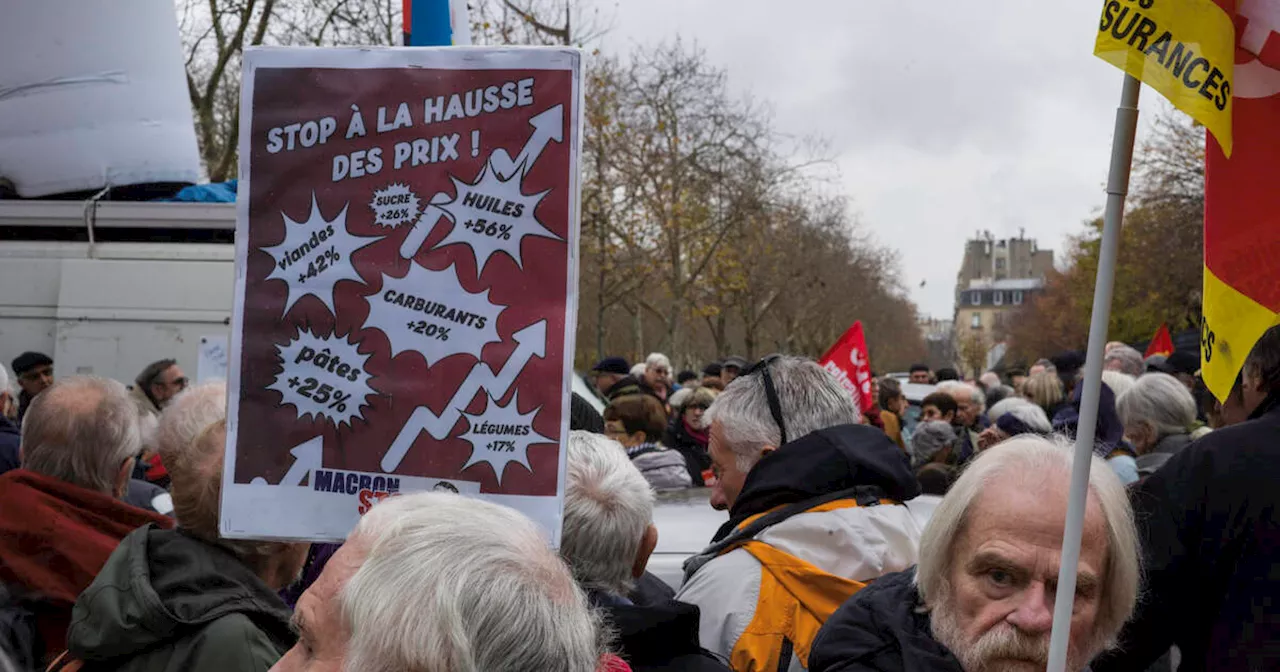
column 981, row 598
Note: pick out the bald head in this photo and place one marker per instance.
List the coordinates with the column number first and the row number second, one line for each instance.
column 82, row 430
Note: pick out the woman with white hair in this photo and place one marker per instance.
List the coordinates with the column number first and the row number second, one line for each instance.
column 1158, row 414
column 656, row 375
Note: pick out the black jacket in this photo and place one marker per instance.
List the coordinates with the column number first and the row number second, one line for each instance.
column 821, row 464
column 168, row 601
column 696, row 457
column 9, row 440
column 881, row 630
column 1209, row 520
column 660, row 637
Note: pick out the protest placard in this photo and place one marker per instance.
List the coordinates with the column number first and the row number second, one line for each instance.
column 406, row 251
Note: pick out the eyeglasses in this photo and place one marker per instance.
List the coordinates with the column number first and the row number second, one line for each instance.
column 770, row 392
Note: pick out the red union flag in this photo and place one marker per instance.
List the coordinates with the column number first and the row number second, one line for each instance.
column 847, row 360
column 1242, row 203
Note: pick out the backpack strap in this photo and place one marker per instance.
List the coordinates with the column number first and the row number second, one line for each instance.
column 870, row 494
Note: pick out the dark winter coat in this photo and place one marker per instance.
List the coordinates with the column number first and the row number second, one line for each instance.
column 9, row 442
column 659, row 637
column 1210, row 529
column 1165, row 449
column 696, row 457
column 167, row 601
column 881, row 629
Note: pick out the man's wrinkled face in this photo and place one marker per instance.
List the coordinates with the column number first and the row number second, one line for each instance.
column 322, row 635
column 966, row 411
column 36, row 380
column 998, row 610
column 656, row 375
column 724, row 464
column 604, row 381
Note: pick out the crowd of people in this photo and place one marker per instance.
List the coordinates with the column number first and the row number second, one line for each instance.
column 852, row 541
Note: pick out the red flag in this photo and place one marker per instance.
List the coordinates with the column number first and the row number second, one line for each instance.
column 1242, row 205
column 1161, row 343
column 847, row 360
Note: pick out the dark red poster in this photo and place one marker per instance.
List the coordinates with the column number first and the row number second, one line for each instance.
column 406, row 274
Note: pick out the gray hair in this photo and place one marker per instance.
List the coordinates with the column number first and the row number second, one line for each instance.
column 810, row 397
column 1027, row 454
column 1159, row 401
column 1032, row 416
column 638, row 370
column 189, row 414
column 1004, row 406
column 81, row 430
column 460, row 584
column 930, row 438
column 1119, row 382
column 191, row 441
column 1130, row 360
column 975, row 393
column 657, row 359
column 990, row 379
column 608, row 505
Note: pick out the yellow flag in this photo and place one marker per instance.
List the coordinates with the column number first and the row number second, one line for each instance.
column 1185, row 49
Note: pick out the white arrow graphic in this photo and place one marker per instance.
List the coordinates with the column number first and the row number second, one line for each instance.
column 530, row 342
column 547, row 127
column 422, row 228
column 306, row 457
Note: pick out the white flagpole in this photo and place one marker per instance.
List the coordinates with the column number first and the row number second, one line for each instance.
column 1117, row 189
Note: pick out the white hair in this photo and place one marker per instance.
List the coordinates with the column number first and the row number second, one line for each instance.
column 81, row 430
column 1027, row 454
column 459, row 584
column 1004, row 406
column 810, row 397
column 1130, row 360
column 656, row 359
column 1033, row 417
column 637, row 371
column 1119, row 382
column 189, row 414
column 608, row 505
column 1159, row 401
column 990, row 379
column 5, row 381
column 976, row 397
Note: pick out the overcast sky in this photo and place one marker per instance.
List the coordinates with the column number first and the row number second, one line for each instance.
column 944, row 117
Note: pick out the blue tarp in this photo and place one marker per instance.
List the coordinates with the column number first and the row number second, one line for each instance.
column 214, row 192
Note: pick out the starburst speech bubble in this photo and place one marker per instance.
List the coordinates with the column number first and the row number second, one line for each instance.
column 501, row 435
column 430, row 313
column 395, row 206
column 315, row 255
column 493, row 215
column 324, row 377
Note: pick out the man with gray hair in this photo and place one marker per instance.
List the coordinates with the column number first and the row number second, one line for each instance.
column 1124, row 359
column 210, row 604
column 982, row 597
column 62, row 514
column 969, row 421
column 815, row 512
column 607, row 539
column 437, row 581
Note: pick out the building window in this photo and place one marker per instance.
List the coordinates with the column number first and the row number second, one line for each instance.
column 1017, row 297
column 975, row 298
column 998, row 298
column 977, row 321
column 1000, row 263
